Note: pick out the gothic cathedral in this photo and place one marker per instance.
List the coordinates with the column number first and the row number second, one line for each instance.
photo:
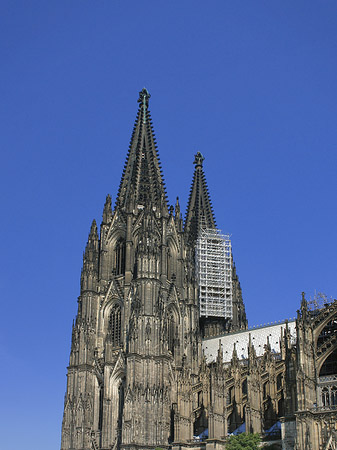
column 148, row 369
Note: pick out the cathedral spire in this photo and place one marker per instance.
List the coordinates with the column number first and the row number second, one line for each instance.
column 199, row 211
column 142, row 181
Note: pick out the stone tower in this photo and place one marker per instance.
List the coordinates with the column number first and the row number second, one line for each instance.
column 136, row 341
column 147, row 370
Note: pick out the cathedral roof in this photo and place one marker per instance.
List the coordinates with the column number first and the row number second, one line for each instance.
column 199, row 210
column 240, row 341
column 142, row 181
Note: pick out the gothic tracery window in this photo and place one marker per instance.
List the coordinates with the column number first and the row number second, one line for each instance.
column 115, row 325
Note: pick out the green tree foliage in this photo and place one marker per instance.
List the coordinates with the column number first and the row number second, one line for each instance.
column 244, row 441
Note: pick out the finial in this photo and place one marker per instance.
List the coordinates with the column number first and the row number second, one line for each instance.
column 304, row 303
column 198, row 160
column 144, row 97
column 93, row 229
column 177, row 208
column 107, row 211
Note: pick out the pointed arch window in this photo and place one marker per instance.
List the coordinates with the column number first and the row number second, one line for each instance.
column 171, row 331
column 168, row 263
column 329, row 366
column 244, row 387
column 325, row 397
column 115, row 320
column 120, row 257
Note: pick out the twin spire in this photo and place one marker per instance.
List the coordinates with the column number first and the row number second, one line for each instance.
column 142, row 182
column 199, row 210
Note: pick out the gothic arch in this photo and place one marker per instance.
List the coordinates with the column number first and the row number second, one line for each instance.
column 113, row 321
column 326, row 357
column 119, row 253
column 172, row 321
column 116, row 244
column 113, row 407
column 326, row 340
column 118, row 233
column 172, row 257
column 324, row 323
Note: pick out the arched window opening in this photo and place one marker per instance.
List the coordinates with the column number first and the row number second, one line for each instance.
column 330, row 365
column 200, row 425
column 265, row 391
column 171, row 437
column 325, row 397
column 329, row 396
column 120, row 257
column 328, row 331
column 244, row 387
column 168, row 264
column 230, row 396
column 334, row 396
column 115, row 325
column 171, row 332
column 279, row 381
column 280, row 407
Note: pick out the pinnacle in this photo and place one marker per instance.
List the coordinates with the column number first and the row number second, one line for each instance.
column 107, row 211
column 93, row 229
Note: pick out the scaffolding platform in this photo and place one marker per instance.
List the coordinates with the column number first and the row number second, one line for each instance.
column 214, row 269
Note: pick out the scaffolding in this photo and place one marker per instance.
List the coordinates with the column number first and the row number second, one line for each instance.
column 214, row 270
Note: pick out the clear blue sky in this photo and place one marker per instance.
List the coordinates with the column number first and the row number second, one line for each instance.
column 250, row 84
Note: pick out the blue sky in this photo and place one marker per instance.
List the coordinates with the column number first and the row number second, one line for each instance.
column 250, row 84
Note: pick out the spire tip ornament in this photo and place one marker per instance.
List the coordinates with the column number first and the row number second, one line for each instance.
column 144, row 97
column 198, row 160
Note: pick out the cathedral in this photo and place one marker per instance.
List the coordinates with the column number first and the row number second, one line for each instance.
column 161, row 354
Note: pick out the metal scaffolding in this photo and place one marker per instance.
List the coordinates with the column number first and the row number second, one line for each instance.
column 214, row 269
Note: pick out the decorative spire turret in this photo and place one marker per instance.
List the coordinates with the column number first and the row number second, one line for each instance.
column 90, row 260
column 199, row 211
column 304, row 308
column 142, row 183
column 235, row 359
column 178, row 217
column 107, row 211
column 239, row 313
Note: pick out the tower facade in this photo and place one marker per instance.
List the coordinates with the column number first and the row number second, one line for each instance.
column 149, row 367
column 136, row 341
